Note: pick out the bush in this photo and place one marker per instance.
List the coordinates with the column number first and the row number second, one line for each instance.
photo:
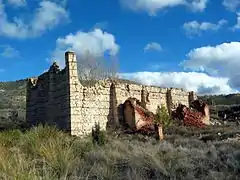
column 98, row 137
column 162, row 116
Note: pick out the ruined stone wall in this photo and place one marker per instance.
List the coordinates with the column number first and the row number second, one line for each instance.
column 47, row 99
column 58, row 97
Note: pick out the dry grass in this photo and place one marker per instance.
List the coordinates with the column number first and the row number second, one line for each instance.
column 46, row 153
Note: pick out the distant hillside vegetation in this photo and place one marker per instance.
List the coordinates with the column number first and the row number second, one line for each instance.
column 231, row 99
column 13, row 94
column 12, row 104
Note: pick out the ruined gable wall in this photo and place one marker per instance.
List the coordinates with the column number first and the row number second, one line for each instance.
column 37, row 99
column 58, row 97
column 47, row 99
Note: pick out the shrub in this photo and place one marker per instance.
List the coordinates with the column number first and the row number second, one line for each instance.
column 98, row 137
column 162, row 116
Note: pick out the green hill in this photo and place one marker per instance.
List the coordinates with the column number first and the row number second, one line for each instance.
column 12, row 104
column 13, row 94
column 230, row 99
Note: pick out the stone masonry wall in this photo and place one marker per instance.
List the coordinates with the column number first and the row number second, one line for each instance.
column 58, row 97
column 47, row 99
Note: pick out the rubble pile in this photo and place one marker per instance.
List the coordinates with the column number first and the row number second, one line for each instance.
column 189, row 116
column 146, row 122
column 140, row 119
column 197, row 115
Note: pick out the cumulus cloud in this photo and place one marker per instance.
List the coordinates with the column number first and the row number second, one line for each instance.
column 215, row 71
column 95, row 42
column 221, row 60
column 198, row 5
column 9, row 52
column 196, row 28
column 231, row 5
column 237, row 25
column 47, row 16
column 152, row 7
column 192, row 81
column 153, row 46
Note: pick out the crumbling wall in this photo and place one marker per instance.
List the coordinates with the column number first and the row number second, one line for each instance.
column 58, row 97
column 179, row 96
column 47, row 99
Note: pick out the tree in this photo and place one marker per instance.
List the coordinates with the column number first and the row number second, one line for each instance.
column 162, row 117
column 161, row 120
column 92, row 68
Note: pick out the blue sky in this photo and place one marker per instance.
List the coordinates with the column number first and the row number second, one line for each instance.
column 193, row 44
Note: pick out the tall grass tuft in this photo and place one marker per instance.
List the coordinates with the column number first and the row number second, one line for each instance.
column 48, row 154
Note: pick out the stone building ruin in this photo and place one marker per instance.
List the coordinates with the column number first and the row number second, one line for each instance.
column 57, row 97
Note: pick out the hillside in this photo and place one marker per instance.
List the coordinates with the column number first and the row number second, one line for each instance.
column 12, row 104
column 13, row 95
column 230, row 99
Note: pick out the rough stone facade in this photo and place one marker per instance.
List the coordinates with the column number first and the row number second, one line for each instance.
column 58, row 97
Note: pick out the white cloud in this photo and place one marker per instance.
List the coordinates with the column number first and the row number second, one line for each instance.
column 96, row 42
column 219, row 65
column 237, row 25
column 231, row 5
column 153, row 6
column 221, row 60
column 196, row 28
column 192, row 81
column 9, row 52
column 17, row 3
column 47, row 16
column 198, row 5
column 153, row 46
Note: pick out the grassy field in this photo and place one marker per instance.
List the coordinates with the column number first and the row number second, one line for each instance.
column 48, row 154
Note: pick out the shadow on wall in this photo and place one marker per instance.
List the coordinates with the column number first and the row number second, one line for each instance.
column 113, row 119
column 36, row 93
column 116, row 118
